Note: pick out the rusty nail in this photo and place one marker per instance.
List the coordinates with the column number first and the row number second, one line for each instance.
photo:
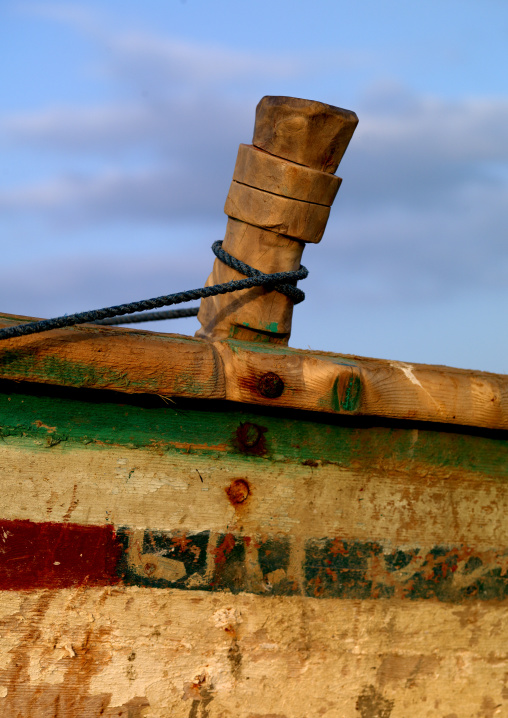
column 238, row 491
column 249, row 434
column 270, row 385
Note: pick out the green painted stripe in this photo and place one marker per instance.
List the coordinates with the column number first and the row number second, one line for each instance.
column 96, row 420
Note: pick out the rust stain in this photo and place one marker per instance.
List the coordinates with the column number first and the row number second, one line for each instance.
column 40, row 425
column 181, row 541
column 190, row 446
column 68, row 699
column 337, row 548
column 149, row 568
column 250, row 439
column 270, row 385
column 238, row 491
column 199, row 691
column 223, row 549
column 73, row 504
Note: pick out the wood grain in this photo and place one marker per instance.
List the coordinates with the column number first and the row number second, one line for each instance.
column 108, row 358
column 372, row 508
column 362, row 574
column 135, row 361
column 147, row 653
column 257, row 311
column 400, row 503
column 303, row 131
column 257, row 168
column 291, row 217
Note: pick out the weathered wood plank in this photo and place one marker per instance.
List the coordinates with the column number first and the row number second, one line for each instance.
column 267, row 564
column 136, row 653
column 170, row 468
column 140, row 489
column 352, row 385
column 108, row 358
column 135, row 361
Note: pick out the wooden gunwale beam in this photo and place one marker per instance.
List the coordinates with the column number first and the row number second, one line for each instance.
column 135, row 361
column 280, row 197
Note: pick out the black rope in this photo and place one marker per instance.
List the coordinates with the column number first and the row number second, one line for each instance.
column 283, row 282
column 149, row 316
column 289, row 290
column 287, row 287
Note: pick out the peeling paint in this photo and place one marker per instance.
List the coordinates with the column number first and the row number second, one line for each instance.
column 58, row 555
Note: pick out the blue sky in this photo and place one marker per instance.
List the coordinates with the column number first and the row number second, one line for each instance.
column 119, row 126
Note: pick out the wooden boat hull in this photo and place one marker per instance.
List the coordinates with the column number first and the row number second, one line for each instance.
column 224, row 527
column 206, row 559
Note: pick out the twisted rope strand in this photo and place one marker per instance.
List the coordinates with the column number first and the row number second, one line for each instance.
column 149, row 316
column 289, row 289
column 281, row 281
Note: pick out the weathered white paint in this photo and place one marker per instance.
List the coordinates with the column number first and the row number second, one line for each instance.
column 224, row 656
column 405, row 504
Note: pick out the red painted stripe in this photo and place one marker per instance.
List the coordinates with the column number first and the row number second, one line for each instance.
column 56, row 555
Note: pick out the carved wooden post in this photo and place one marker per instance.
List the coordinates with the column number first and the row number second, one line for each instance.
column 280, row 197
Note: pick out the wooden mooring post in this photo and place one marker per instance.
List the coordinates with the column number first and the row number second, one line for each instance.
column 280, row 197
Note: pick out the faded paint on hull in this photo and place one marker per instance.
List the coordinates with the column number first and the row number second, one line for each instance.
column 262, row 566
column 173, row 654
column 65, row 555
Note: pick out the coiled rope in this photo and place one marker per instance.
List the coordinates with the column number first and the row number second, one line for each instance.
column 283, row 282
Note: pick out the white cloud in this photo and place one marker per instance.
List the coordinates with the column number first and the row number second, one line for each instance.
column 77, row 15
column 422, row 210
column 81, row 129
column 172, row 61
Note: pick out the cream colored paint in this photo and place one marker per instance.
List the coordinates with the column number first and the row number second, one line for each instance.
column 248, row 656
column 403, row 506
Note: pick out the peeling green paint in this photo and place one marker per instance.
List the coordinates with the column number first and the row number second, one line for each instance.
column 238, row 346
column 350, row 399
column 53, row 369
column 345, row 395
column 331, row 567
column 213, row 427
